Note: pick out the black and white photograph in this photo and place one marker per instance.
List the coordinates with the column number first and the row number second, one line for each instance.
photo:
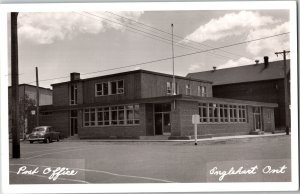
column 149, row 97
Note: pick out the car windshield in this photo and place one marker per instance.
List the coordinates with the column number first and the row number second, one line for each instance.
column 39, row 129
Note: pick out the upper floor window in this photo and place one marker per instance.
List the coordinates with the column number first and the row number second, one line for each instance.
column 169, row 88
column 110, row 88
column 188, row 89
column 73, row 94
column 202, row 91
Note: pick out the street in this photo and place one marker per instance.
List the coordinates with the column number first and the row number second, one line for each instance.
column 149, row 162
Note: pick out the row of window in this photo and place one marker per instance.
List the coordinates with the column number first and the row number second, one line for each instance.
column 113, row 115
column 222, row 113
column 201, row 90
column 110, row 88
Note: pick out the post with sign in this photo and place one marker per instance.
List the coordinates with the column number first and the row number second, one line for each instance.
column 195, row 121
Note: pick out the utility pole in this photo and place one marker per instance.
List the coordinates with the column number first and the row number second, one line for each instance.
column 286, row 95
column 15, row 87
column 173, row 82
column 37, row 97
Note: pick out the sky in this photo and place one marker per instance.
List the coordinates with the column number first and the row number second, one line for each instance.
column 87, row 42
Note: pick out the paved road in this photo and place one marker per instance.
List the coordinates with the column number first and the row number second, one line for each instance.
column 150, row 162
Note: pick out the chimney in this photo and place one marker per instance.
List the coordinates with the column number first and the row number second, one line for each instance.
column 214, row 68
column 256, row 62
column 266, row 61
column 75, row 76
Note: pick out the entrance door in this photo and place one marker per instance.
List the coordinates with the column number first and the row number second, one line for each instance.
column 162, row 119
column 162, row 124
column 257, row 118
column 73, row 122
column 158, row 124
column 166, row 124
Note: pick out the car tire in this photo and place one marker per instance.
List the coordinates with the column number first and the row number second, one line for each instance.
column 30, row 141
column 47, row 140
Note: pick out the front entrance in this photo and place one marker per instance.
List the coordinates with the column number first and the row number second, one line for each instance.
column 162, row 119
column 257, row 118
column 73, row 123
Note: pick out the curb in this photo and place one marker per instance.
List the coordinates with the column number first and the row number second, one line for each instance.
column 213, row 139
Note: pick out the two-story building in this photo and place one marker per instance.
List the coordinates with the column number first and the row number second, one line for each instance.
column 138, row 104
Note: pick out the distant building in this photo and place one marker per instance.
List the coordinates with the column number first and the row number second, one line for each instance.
column 141, row 104
column 27, row 102
column 257, row 82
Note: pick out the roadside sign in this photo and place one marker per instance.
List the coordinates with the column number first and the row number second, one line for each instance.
column 196, row 119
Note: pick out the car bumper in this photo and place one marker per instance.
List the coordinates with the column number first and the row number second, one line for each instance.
column 36, row 139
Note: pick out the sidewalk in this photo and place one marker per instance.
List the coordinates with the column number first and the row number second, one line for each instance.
column 204, row 140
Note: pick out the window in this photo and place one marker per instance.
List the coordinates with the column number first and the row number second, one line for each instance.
column 113, row 87
column 120, row 87
column 105, row 88
column 73, row 94
column 222, row 113
column 187, row 89
column 169, row 88
column 114, row 115
column 201, row 91
column 109, row 88
column 89, row 117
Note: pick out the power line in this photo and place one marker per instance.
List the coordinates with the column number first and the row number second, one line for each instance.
column 177, row 36
column 168, row 58
column 168, row 40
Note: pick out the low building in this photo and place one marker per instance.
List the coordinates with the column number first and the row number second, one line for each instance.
column 138, row 104
column 257, row 82
column 27, row 102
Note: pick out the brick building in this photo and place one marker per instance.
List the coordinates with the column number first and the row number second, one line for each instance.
column 27, row 102
column 141, row 104
column 257, row 82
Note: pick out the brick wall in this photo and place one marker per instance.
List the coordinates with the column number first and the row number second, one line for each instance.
column 268, row 119
column 61, row 95
column 156, row 85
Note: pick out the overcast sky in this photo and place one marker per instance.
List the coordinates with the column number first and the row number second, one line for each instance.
column 61, row 43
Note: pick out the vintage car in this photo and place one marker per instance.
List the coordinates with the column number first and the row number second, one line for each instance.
column 44, row 133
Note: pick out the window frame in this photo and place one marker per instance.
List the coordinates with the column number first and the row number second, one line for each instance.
column 109, row 88
column 135, row 120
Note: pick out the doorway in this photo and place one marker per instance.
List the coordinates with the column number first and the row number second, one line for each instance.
column 162, row 119
column 73, row 123
column 257, row 118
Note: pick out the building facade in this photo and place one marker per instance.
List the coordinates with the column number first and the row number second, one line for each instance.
column 141, row 104
column 27, row 102
column 259, row 82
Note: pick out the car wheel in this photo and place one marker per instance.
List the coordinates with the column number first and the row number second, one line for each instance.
column 30, row 141
column 47, row 140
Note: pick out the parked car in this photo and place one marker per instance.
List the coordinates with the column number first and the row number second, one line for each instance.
column 44, row 133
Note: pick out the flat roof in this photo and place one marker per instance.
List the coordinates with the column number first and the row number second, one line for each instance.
column 32, row 86
column 136, row 71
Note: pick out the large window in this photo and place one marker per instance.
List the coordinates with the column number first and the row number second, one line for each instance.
column 73, row 94
column 201, row 91
column 222, row 113
column 109, row 88
column 113, row 115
